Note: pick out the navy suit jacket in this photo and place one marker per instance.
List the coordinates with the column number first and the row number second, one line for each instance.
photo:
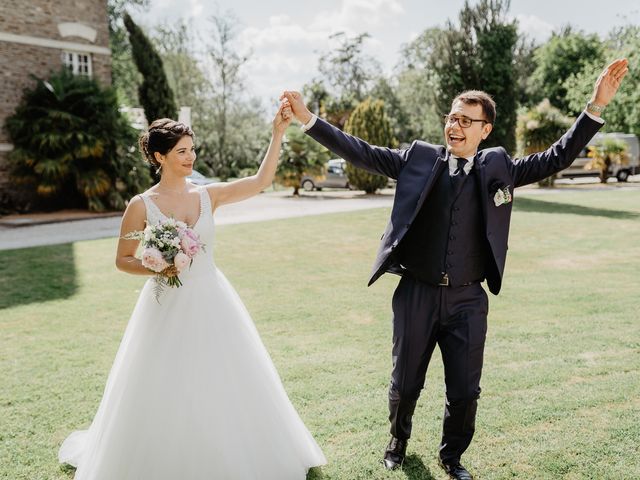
column 416, row 167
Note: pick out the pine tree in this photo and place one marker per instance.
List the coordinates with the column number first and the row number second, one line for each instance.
column 370, row 123
column 154, row 92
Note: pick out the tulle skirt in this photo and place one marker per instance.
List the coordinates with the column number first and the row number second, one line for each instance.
column 193, row 395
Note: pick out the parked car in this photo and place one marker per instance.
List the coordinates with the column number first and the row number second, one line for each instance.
column 335, row 177
column 621, row 172
column 199, row 179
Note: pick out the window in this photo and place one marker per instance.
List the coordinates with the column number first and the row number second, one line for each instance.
column 77, row 63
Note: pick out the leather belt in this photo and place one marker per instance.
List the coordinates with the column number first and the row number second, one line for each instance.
column 443, row 282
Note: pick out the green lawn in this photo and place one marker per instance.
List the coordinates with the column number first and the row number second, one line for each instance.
column 561, row 383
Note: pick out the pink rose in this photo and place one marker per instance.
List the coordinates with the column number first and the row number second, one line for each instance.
column 181, row 261
column 189, row 242
column 153, row 259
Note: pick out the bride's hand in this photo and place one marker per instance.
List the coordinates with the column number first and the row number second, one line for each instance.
column 283, row 118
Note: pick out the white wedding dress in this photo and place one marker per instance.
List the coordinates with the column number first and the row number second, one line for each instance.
column 193, row 393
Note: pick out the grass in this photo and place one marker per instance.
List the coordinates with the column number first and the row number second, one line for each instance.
column 560, row 386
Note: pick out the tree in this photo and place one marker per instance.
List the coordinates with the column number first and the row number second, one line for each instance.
column 538, row 128
column 73, row 146
column 479, row 54
column 623, row 113
column 417, row 84
column 346, row 77
column 370, row 123
column 301, row 155
column 184, row 71
column 386, row 92
column 236, row 133
column 154, row 92
column 607, row 152
column 524, row 66
column 186, row 76
column 565, row 54
column 346, row 68
column 125, row 77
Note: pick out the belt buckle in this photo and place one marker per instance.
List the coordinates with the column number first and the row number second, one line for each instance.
column 444, row 281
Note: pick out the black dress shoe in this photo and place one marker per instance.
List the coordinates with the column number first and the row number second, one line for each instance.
column 455, row 470
column 394, row 454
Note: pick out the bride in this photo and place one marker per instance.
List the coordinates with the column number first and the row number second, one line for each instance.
column 192, row 394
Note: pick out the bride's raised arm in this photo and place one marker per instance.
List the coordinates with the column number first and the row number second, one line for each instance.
column 230, row 192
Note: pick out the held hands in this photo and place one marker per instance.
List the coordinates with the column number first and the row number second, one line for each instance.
column 609, row 81
column 299, row 109
column 283, row 118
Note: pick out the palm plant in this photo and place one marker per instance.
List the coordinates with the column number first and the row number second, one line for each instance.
column 73, row 146
column 607, row 152
column 300, row 155
column 538, row 128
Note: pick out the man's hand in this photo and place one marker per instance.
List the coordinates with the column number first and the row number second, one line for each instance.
column 299, row 109
column 609, row 81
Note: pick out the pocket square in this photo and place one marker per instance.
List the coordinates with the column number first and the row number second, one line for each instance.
column 502, row 195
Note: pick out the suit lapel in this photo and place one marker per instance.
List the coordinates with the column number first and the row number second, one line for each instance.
column 438, row 165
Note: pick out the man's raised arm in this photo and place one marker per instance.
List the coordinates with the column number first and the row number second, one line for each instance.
column 380, row 160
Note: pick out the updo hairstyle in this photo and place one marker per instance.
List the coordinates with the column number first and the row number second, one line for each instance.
column 163, row 134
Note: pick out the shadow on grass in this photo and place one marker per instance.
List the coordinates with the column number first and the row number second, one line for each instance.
column 39, row 274
column 414, row 469
column 534, row 205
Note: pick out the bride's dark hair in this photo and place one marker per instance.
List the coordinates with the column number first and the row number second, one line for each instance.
column 163, row 134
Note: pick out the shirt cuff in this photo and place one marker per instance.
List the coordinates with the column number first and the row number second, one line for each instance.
column 590, row 115
column 310, row 123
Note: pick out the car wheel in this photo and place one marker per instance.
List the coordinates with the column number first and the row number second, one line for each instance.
column 622, row 175
column 308, row 186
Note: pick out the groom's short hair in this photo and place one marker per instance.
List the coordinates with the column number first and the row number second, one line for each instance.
column 478, row 97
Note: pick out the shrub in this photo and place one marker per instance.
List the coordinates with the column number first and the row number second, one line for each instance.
column 73, row 147
column 370, row 123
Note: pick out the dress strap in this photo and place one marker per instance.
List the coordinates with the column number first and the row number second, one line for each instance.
column 205, row 202
column 154, row 215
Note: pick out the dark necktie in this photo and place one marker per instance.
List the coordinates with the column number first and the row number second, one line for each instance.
column 461, row 163
column 457, row 179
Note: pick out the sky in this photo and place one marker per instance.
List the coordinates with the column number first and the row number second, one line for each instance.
column 287, row 37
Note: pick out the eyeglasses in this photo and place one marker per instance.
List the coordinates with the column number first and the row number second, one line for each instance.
column 463, row 121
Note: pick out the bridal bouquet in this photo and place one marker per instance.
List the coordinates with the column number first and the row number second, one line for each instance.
column 168, row 247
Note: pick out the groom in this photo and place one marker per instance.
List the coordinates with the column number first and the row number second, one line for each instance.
column 447, row 233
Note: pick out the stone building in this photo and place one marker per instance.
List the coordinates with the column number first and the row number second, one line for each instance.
column 38, row 37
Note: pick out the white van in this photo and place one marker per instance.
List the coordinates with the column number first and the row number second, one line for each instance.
column 621, row 172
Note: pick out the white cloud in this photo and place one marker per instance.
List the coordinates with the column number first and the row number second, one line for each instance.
column 285, row 53
column 535, row 27
column 356, row 16
column 195, row 8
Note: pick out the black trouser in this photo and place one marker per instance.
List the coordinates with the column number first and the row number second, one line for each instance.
column 455, row 319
